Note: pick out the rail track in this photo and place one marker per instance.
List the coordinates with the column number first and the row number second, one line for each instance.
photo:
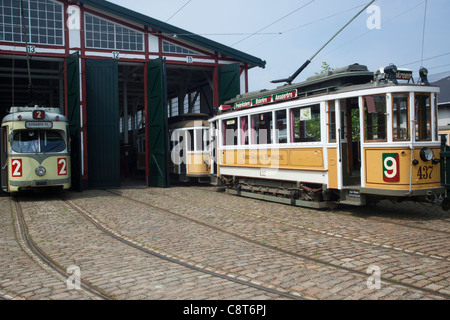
column 318, row 230
column 169, row 257
column 45, row 258
column 396, row 211
column 295, row 254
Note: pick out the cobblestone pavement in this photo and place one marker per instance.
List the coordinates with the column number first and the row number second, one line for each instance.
column 212, row 245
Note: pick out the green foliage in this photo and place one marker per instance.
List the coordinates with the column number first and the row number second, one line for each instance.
column 325, row 68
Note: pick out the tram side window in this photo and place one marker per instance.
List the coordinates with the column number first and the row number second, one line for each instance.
column 305, row 124
column 191, row 139
column 27, row 141
column 375, row 118
column 281, row 127
column 229, row 132
column 262, row 128
column 423, row 117
column 332, row 121
column 244, row 130
column 400, row 113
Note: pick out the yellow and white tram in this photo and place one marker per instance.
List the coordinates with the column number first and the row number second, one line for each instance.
column 349, row 136
column 189, row 139
column 34, row 149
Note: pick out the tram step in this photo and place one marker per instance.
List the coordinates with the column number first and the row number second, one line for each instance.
column 352, row 197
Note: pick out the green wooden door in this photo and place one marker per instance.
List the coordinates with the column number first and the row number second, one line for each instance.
column 229, row 82
column 157, row 122
column 73, row 115
column 103, row 123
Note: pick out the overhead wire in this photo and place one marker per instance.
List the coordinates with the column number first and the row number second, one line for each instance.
column 271, row 24
column 364, row 33
column 306, row 24
column 423, row 30
column 178, row 10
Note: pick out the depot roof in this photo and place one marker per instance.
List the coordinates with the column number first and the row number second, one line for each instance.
column 167, row 28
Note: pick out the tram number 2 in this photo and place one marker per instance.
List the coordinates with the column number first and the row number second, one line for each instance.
column 62, row 166
column 425, row 172
column 16, row 166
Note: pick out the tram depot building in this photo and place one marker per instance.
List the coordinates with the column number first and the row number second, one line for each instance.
column 118, row 76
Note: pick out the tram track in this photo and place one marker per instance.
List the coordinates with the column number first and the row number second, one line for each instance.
column 339, row 212
column 172, row 259
column 316, row 230
column 37, row 252
column 283, row 251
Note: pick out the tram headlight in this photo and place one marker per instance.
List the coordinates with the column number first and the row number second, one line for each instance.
column 426, row 154
column 40, row 171
column 391, row 71
column 423, row 72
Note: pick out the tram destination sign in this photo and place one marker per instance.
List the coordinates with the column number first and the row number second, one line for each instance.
column 38, row 124
column 266, row 99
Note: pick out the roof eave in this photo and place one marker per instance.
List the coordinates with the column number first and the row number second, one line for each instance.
column 170, row 29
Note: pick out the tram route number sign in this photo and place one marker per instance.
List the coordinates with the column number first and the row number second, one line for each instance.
column 391, row 166
column 16, row 168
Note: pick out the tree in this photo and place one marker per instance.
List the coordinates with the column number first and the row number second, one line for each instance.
column 325, row 68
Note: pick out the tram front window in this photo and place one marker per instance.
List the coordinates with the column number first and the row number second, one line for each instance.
column 400, row 113
column 38, row 141
column 423, row 117
column 375, row 118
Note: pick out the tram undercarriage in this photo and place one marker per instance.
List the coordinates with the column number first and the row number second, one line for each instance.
column 318, row 196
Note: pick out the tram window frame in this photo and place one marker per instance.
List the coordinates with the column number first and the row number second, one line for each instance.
column 304, row 125
column 244, row 131
column 435, row 122
column 39, row 143
column 256, row 123
column 281, row 125
column 227, row 139
column 332, row 134
column 419, row 114
column 397, row 117
column 191, row 139
column 380, row 114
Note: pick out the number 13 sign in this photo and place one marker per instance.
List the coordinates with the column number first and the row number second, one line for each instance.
column 391, row 167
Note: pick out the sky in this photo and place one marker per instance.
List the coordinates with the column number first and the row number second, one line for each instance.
column 285, row 33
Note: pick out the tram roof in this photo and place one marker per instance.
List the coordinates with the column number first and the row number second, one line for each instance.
column 26, row 114
column 168, row 28
column 325, row 82
column 352, row 77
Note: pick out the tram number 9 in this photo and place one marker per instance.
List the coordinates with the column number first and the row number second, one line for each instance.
column 16, row 166
column 62, row 166
column 391, row 172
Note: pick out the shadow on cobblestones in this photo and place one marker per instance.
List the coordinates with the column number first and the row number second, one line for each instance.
column 414, row 211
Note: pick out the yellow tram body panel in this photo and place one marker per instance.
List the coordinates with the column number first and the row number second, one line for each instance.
column 290, row 158
column 23, row 172
column 197, row 165
column 333, row 181
column 425, row 174
column 31, row 167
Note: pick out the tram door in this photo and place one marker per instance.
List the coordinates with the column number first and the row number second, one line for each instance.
column 350, row 142
column 4, row 157
column 213, row 155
